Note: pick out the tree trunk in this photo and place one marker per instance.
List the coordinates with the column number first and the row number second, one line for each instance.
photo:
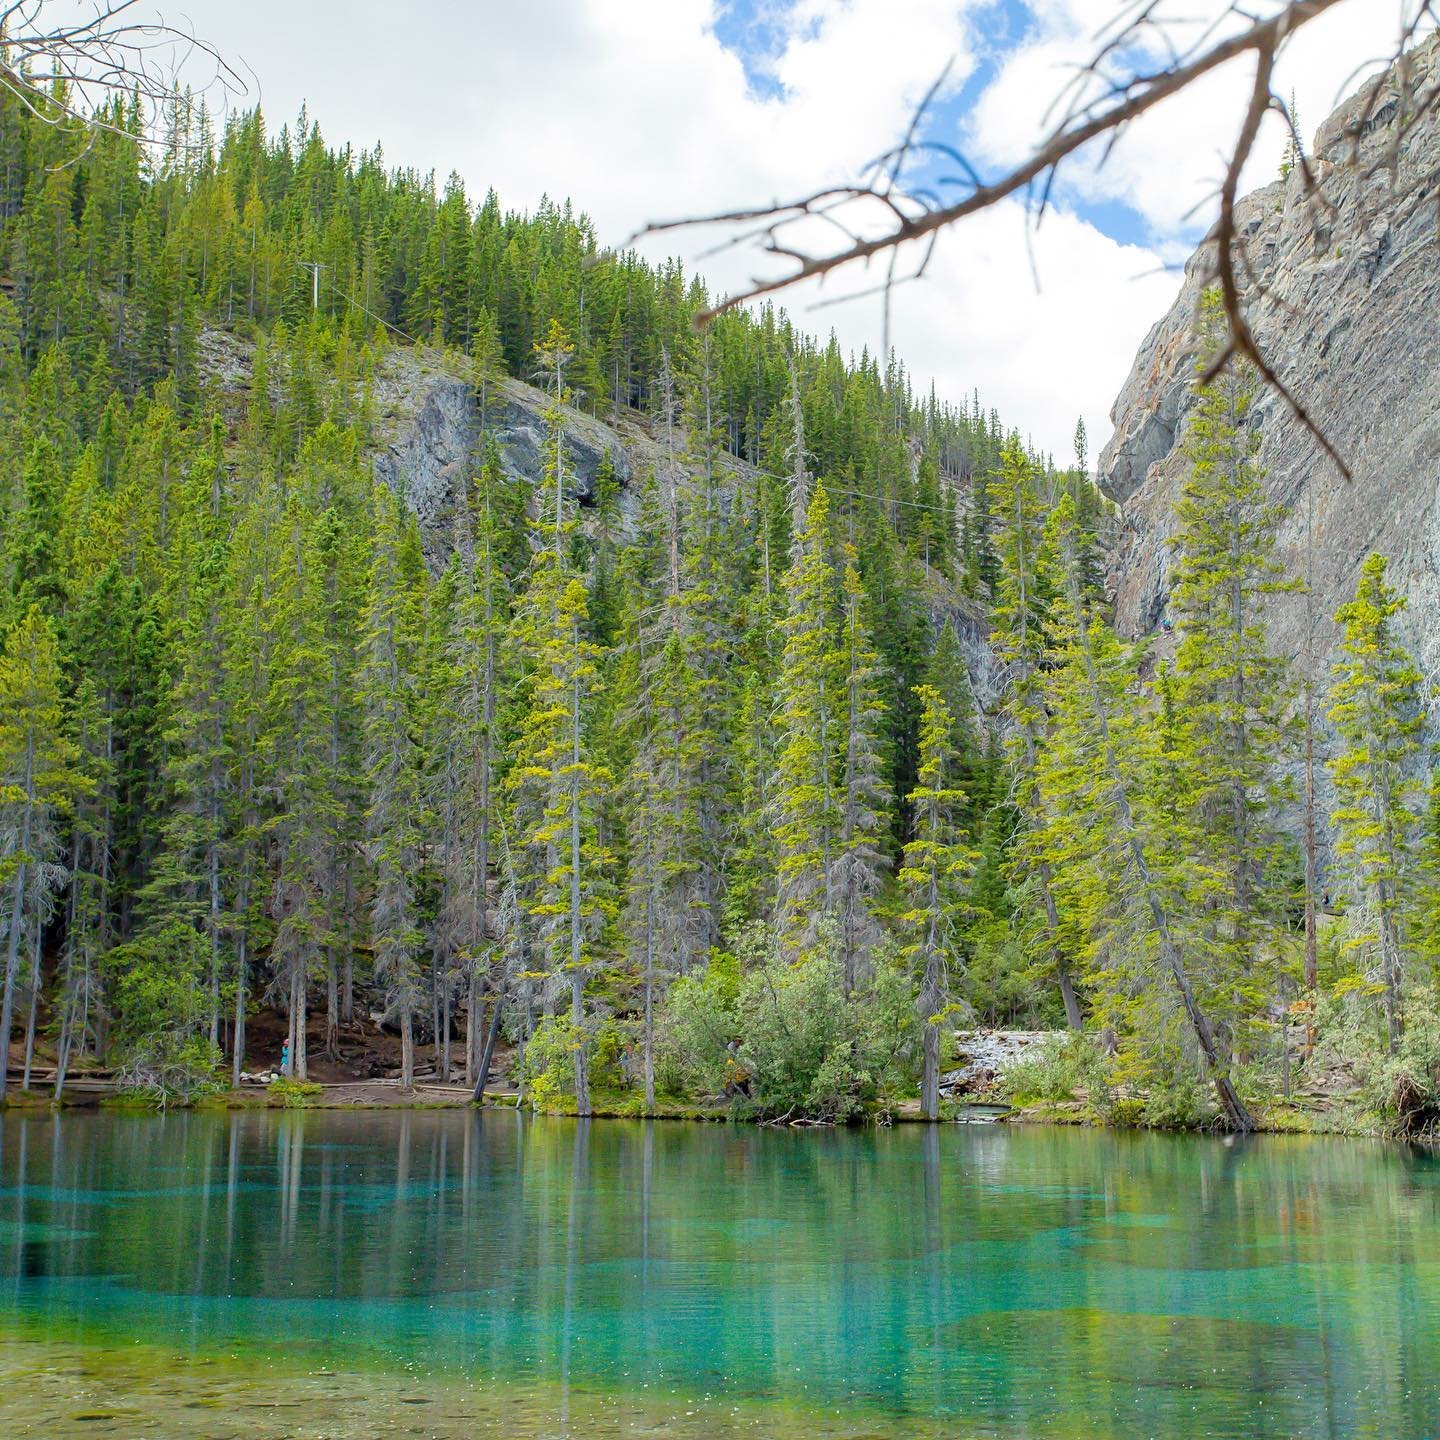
column 930, row 1077
column 482, row 1072
column 407, row 1048
column 332, row 1005
column 214, row 929
column 445, row 1034
column 12, row 962
column 34, row 1005
column 299, row 1051
column 578, row 1046
column 649, row 1003
column 1390, row 955
column 472, row 1026
column 238, row 1059
column 577, row 978
column 1312, row 969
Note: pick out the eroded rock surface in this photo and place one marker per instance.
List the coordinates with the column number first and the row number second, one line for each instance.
column 1350, row 318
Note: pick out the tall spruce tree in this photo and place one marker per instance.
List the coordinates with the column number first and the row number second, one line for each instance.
column 39, row 780
column 1020, row 633
column 1375, row 705
column 933, row 875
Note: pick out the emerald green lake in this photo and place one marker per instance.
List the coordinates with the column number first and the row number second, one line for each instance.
column 447, row 1272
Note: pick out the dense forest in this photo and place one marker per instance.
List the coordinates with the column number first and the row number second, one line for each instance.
column 684, row 785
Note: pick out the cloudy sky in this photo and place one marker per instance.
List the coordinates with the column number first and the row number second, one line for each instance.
column 645, row 110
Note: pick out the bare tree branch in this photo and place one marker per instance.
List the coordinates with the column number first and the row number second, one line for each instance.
column 72, row 71
column 1099, row 103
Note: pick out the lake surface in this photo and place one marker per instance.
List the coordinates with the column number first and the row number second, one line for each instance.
column 456, row 1273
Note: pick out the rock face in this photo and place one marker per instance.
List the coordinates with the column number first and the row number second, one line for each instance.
column 1350, row 319
column 429, row 431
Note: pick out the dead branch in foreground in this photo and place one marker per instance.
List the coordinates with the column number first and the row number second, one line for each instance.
column 1102, row 102
column 69, row 70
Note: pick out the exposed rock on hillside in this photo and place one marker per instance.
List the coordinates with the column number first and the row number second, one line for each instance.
column 429, row 431
column 1351, row 320
column 430, row 427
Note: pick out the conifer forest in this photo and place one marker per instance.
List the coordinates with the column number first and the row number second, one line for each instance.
column 740, row 781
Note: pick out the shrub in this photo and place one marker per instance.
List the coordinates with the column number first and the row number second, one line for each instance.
column 797, row 1047
column 294, row 1094
column 813, row 1053
column 161, row 1040
column 1050, row 1072
column 549, row 1063
column 1401, row 1091
column 1177, row 1104
column 697, row 1030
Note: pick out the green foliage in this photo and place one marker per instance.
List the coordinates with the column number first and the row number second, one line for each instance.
column 162, row 1008
column 1050, row 1072
column 549, row 1061
column 1375, row 705
column 263, row 741
column 294, row 1094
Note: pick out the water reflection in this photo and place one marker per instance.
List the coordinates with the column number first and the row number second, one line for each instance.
column 1014, row 1282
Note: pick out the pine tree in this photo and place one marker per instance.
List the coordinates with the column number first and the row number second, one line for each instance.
column 1231, row 695
column 1100, row 793
column 1375, row 705
column 937, row 864
column 395, row 818
column 805, row 797
column 554, row 782
column 471, row 712
column 309, row 808
column 1020, row 634
column 860, row 861
column 38, row 783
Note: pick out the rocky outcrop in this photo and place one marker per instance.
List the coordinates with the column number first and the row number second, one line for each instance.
column 430, row 427
column 1347, row 308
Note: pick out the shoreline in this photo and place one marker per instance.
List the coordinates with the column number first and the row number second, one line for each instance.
column 387, row 1095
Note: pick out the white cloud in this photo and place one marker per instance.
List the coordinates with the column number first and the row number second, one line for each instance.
column 1170, row 165
column 637, row 112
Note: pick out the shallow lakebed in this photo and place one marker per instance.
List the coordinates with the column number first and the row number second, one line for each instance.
column 448, row 1273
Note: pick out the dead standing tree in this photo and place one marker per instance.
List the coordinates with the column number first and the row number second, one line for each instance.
column 1103, row 100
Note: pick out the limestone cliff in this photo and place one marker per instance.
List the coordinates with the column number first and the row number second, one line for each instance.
column 1350, row 317
column 428, row 429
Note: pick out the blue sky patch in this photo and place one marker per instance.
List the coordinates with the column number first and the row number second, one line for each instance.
column 757, row 32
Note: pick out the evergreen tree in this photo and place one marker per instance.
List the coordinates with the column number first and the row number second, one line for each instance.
column 1375, row 706
column 395, row 818
column 937, row 864
column 38, row 783
column 1020, row 633
column 554, row 782
column 805, row 797
column 1231, row 696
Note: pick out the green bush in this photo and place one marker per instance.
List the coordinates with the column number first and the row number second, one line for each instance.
column 294, row 1094
column 549, row 1064
column 161, row 1038
column 811, row 1053
column 1049, row 1073
column 696, row 1034
column 779, row 1035
column 1180, row 1103
column 1399, row 1093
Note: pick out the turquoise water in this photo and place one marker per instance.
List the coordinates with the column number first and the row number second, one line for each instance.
column 548, row 1276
